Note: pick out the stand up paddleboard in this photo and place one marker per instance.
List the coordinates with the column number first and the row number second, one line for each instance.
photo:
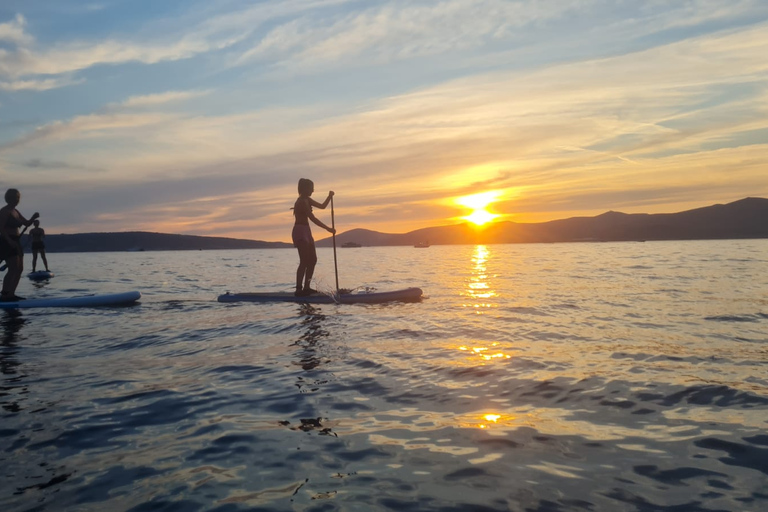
column 87, row 301
column 40, row 275
column 340, row 297
column 405, row 295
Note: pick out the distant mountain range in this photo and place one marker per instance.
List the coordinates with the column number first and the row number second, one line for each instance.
column 746, row 218
column 143, row 241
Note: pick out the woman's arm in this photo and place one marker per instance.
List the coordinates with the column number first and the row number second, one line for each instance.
column 324, row 203
column 319, row 223
column 31, row 219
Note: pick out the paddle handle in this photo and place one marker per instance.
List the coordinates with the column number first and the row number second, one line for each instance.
column 333, row 234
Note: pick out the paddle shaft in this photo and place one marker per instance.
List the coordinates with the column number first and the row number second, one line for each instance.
column 333, row 234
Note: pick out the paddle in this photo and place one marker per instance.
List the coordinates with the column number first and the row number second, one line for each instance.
column 335, row 264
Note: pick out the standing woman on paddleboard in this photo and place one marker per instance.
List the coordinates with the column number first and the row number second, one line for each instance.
column 38, row 246
column 302, row 235
column 10, row 246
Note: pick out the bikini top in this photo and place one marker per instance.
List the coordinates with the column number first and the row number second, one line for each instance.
column 301, row 210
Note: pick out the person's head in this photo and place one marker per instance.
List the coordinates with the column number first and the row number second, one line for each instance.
column 12, row 196
column 306, row 187
column 36, row 223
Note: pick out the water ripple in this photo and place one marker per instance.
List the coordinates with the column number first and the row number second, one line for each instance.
column 531, row 368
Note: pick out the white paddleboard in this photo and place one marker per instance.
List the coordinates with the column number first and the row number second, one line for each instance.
column 404, row 295
column 113, row 299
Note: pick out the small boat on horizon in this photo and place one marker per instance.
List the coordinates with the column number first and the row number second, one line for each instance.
column 422, row 245
column 351, row 244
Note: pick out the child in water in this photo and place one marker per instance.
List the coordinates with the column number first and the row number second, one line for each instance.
column 302, row 235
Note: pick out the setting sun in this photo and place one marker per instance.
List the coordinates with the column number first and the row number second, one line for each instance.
column 480, row 217
column 478, row 204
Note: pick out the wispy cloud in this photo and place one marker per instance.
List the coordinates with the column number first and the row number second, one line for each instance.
column 162, row 98
column 220, row 32
column 397, row 30
column 656, row 124
column 38, row 85
column 88, row 126
column 13, row 31
column 647, row 95
column 116, row 120
column 40, row 164
column 307, row 35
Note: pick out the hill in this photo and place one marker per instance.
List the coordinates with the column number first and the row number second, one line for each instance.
column 143, row 241
column 746, row 218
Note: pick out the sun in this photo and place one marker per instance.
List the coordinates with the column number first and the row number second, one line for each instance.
column 480, row 217
column 478, row 203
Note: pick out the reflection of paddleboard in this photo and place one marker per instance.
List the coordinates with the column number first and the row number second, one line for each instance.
column 40, row 275
column 405, row 295
column 113, row 299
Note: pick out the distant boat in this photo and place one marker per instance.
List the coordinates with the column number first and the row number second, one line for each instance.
column 351, row 244
column 422, row 245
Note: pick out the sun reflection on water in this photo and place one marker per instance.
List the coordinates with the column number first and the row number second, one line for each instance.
column 479, row 288
column 491, row 420
column 485, row 353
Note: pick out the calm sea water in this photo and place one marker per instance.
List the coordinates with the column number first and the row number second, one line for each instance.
column 551, row 377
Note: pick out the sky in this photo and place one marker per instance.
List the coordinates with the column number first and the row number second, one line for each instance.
column 199, row 117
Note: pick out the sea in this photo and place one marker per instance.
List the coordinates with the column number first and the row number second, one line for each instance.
column 534, row 377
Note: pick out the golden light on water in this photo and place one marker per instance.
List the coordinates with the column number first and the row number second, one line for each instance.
column 479, row 287
column 478, row 204
column 480, row 293
column 485, row 353
column 490, row 420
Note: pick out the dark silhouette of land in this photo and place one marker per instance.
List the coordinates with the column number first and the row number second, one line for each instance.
column 143, row 241
column 746, row 218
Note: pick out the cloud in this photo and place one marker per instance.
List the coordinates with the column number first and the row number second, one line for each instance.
column 162, row 98
column 310, row 35
column 13, row 31
column 87, row 126
column 178, row 41
column 40, row 164
column 398, row 30
column 38, row 85
column 77, row 56
column 573, row 136
column 379, row 33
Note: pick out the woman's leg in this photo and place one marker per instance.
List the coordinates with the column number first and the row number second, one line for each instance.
column 307, row 261
column 311, row 260
column 12, row 276
column 300, row 273
column 19, row 270
column 45, row 260
column 34, row 260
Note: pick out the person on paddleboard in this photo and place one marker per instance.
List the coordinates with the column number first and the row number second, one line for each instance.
column 10, row 247
column 38, row 246
column 302, row 235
